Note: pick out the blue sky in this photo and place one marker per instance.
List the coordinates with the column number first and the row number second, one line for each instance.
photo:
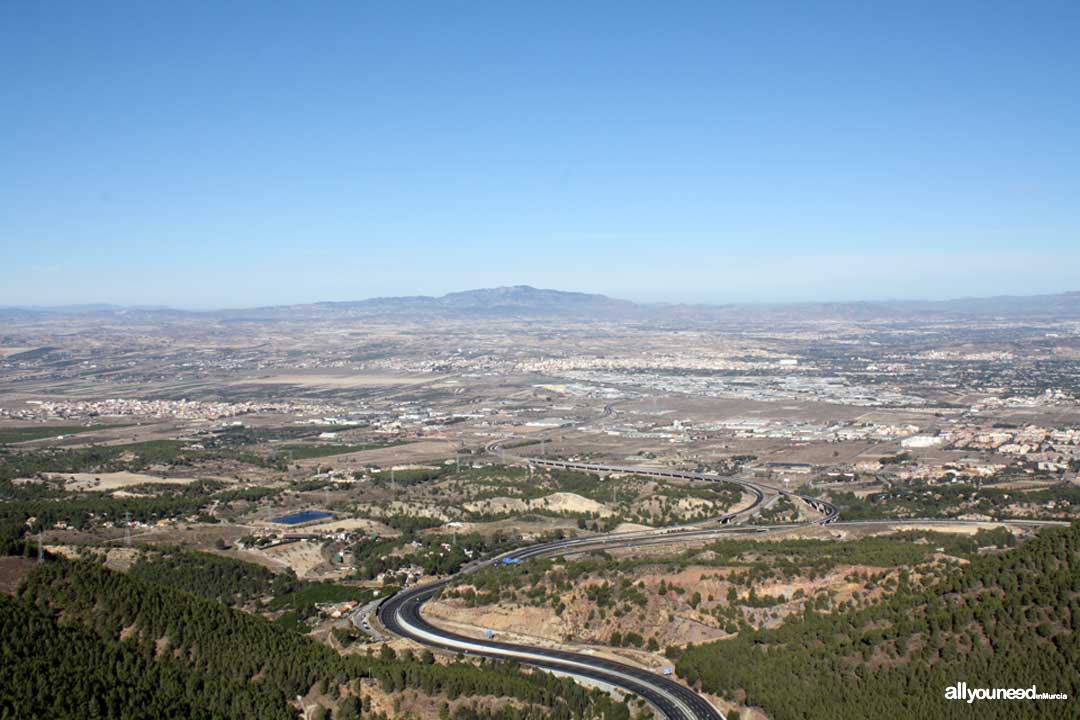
column 235, row 154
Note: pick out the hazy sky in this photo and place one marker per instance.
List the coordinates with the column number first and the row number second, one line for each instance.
column 233, row 154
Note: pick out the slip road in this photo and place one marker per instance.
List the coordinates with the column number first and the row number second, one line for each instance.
column 401, row 615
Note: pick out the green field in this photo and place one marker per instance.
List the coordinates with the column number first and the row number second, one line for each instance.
column 38, row 432
column 319, row 593
column 307, row 452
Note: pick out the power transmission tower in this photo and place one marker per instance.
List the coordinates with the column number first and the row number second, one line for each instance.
column 127, row 528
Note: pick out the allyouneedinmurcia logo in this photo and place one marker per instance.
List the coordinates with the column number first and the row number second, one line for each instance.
column 961, row 691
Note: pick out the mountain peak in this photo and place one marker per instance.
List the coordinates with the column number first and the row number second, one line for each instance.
column 507, row 299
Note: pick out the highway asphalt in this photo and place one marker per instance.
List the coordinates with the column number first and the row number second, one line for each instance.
column 401, row 614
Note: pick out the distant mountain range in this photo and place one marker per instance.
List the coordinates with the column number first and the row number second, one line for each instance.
column 523, row 301
column 500, row 301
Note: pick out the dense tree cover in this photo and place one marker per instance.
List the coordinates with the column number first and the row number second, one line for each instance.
column 499, row 678
column 213, row 576
column 1006, row 620
column 220, row 640
column 132, row 457
column 1065, row 494
column 249, row 494
column 86, row 510
column 818, row 556
column 197, row 489
column 301, row 603
column 239, row 665
column 235, row 582
column 951, row 500
column 14, row 540
column 410, row 523
column 412, row 476
column 539, row 581
column 59, row 671
column 436, row 554
column 49, row 502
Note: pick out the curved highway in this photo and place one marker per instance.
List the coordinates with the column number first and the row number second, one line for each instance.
column 401, row 614
column 757, row 489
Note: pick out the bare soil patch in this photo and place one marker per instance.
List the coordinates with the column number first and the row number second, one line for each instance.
column 12, row 572
column 555, row 502
column 114, row 481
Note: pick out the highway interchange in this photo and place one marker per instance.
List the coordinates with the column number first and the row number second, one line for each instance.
column 400, row 614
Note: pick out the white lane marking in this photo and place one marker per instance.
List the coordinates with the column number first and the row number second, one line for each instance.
column 537, row 656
